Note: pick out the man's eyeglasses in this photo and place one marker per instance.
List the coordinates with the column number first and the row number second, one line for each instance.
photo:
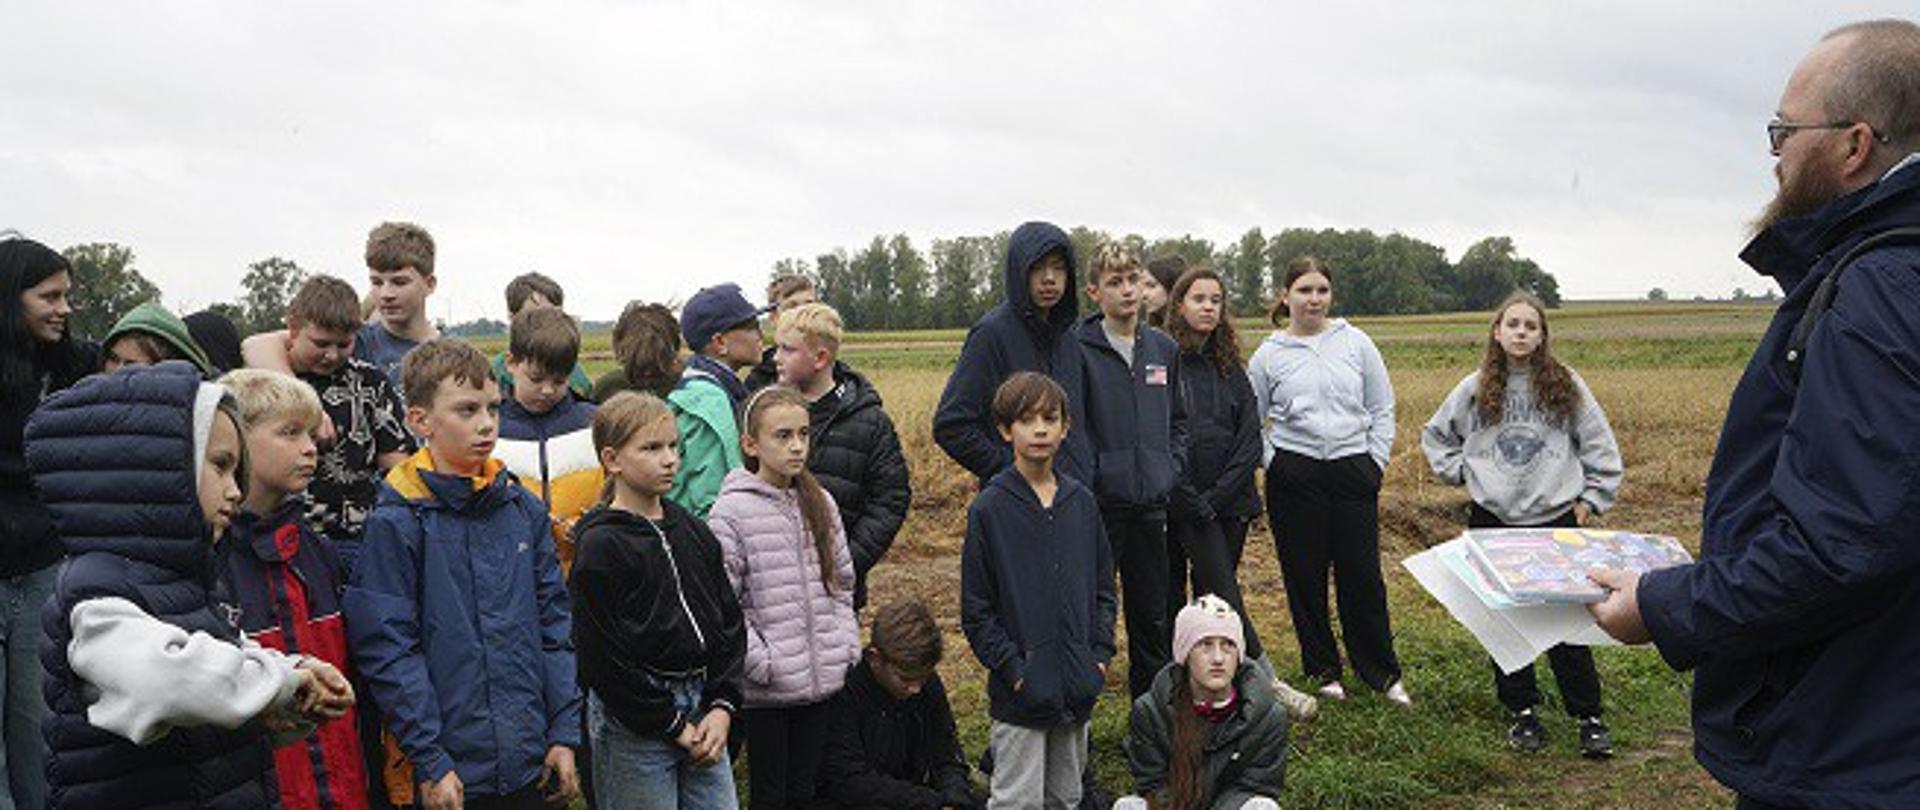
column 1778, row 130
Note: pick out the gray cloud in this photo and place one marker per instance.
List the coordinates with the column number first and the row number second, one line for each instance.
column 645, row 150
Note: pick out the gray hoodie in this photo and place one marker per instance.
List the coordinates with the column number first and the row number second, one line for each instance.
column 1325, row 396
column 1526, row 470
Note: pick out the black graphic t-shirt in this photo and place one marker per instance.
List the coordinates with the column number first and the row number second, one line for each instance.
column 368, row 421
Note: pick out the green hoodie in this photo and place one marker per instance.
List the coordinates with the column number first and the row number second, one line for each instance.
column 155, row 320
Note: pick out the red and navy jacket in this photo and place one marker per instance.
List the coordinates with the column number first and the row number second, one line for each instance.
column 281, row 586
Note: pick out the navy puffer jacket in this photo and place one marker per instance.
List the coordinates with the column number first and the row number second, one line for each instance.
column 113, row 460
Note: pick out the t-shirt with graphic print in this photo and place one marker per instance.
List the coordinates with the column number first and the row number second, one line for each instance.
column 368, row 422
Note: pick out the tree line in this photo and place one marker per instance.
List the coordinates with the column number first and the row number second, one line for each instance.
column 891, row 284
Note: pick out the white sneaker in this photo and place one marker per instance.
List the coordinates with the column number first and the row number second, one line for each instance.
column 1397, row 693
column 1332, row 690
column 1301, row 707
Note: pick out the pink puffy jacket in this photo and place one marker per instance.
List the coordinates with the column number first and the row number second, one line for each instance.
column 801, row 639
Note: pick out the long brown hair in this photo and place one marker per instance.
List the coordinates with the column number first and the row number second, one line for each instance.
column 1300, row 266
column 816, row 508
column 1187, row 786
column 1553, row 388
column 1222, row 346
column 615, row 422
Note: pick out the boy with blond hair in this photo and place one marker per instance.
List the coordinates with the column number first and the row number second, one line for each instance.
column 283, row 585
column 546, row 432
column 458, row 616
column 784, row 292
column 855, row 452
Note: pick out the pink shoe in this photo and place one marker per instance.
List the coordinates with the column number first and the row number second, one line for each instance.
column 1332, row 690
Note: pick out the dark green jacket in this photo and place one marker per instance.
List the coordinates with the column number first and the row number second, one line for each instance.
column 1246, row 754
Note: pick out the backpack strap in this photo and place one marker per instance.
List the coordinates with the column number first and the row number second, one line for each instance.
column 1824, row 294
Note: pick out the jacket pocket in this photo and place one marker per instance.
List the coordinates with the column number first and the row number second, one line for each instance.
column 1040, row 692
column 1083, row 682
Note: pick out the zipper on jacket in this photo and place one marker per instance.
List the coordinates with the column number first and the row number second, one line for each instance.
column 678, row 590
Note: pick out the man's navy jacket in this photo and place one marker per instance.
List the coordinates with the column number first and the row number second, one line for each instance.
column 1802, row 616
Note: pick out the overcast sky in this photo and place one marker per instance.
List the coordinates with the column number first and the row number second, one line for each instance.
column 644, row 150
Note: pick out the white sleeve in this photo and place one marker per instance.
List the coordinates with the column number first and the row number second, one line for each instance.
column 1377, row 395
column 1444, row 439
column 1262, row 400
column 150, row 676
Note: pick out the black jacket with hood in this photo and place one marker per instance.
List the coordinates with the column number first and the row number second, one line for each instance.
column 1223, row 441
column 651, row 603
column 856, row 455
column 1014, row 337
column 893, row 753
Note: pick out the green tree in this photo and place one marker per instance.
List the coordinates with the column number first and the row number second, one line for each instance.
column 105, row 286
column 872, row 273
column 912, row 283
column 1492, row 268
column 264, row 292
column 837, row 287
column 1244, row 267
column 1657, row 294
column 961, row 268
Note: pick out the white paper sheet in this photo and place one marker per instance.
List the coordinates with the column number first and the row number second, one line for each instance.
column 1514, row 636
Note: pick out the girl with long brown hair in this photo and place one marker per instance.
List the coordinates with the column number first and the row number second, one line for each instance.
column 1214, row 504
column 1533, row 448
column 786, row 555
column 1211, row 734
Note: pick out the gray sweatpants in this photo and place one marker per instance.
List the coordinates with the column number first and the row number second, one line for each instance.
column 1035, row 768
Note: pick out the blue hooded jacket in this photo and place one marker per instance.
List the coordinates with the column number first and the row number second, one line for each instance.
column 1802, row 617
column 113, row 460
column 1013, row 337
column 1036, row 599
column 1136, row 418
column 458, row 620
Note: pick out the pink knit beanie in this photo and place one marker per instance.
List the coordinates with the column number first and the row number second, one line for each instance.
column 1208, row 616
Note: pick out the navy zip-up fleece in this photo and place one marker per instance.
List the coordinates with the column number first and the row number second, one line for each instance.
column 1135, row 418
column 1037, row 600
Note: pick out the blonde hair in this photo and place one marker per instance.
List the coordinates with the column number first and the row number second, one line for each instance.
column 617, row 419
column 264, row 395
column 1113, row 257
column 818, row 323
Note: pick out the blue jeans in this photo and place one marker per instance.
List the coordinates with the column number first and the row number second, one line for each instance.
column 23, row 752
column 635, row 770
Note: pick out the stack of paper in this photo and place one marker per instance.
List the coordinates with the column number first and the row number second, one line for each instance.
column 1522, row 591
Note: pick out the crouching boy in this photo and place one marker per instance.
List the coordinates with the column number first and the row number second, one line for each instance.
column 891, row 741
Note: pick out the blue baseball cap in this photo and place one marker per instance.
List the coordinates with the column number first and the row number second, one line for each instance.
column 713, row 310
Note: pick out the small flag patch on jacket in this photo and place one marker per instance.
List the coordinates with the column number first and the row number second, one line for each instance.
column 1156, row 374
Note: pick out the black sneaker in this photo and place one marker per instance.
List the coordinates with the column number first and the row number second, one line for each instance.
column 1526, row 733
column 1595, row 743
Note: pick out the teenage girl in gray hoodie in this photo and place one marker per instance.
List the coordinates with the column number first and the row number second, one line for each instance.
column 1533, row 448
column 1322, row 392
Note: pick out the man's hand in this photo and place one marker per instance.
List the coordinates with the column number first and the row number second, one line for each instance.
column 713, row 737
column 1619, row 614
column 446, row 794
column 560, row 780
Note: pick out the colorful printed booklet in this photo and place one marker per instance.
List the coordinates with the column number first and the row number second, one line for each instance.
column 1546, row 565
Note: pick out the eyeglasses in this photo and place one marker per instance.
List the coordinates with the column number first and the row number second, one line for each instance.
column 1778, row 130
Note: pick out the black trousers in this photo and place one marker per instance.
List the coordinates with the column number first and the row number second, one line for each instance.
column 1207, row 552
column 784, row 747
column 1326, row 515
column 1572, row 664
column 1139, row 542
column 526, row 798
